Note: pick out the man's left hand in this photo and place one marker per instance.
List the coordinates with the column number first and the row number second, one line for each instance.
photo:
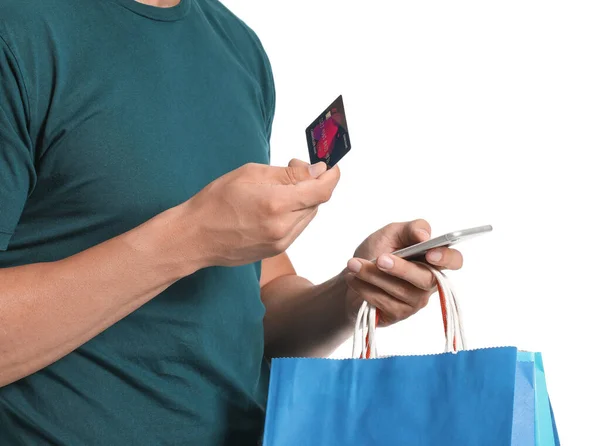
column 397, row 287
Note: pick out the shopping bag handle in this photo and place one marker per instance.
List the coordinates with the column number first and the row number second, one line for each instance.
column 365, row 345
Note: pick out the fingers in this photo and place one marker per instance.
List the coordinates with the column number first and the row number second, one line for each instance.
column 401, row 235
column 318, row 191
column 295, row 162
column 417, row 231
column 312, row 185
column 309, row 216
column 298, row 171
column 301, row 215
column 414, row 232
column 303, row 219
column 315, row 170
column 398, row 288
column 391, row 310
column 389, row 269
column 446, row 258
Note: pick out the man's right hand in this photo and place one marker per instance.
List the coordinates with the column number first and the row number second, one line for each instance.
column 255, row 212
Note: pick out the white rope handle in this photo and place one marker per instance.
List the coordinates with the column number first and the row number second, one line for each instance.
column 365, row 327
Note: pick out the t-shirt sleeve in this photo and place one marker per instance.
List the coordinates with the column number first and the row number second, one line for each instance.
column 17, row 168
column 270, row 102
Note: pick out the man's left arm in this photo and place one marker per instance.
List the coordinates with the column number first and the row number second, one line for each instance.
column 309, row 320
column 301, row 319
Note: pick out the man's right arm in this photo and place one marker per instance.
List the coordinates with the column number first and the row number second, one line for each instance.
column 255, row 212
column 49, row 309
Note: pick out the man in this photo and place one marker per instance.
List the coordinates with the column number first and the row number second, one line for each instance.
column 136, row 205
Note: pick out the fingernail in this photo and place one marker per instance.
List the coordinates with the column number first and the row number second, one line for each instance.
column 424, row 234
column 434, row 256
column 385, row 262
column 354, row 266
column 316, row 170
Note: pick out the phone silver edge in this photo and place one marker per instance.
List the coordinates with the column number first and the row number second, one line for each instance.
column 442, row 241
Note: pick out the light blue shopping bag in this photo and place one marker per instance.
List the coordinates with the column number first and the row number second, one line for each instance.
column 533, row 420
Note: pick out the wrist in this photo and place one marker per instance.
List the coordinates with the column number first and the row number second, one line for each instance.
column 351, row 299
column 191, row 237
column 341, row 314
column 344, row 301
column 169, row 240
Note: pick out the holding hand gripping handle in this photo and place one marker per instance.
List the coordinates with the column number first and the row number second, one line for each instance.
column 365, row 345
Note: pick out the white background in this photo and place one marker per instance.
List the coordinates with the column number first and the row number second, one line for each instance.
column 463, row 113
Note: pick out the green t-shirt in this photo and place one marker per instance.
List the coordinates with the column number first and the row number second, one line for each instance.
column 112, row 111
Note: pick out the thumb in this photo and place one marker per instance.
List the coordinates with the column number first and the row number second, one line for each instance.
column 298, row 171
column 414, row 232
column 295, row 162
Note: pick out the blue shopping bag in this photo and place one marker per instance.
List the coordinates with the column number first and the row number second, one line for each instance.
column 491, row 397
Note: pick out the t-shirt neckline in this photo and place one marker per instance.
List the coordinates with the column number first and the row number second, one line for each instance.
column 168, row 14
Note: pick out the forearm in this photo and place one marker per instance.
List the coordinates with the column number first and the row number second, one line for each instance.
column 303, row 319
column 49, row 309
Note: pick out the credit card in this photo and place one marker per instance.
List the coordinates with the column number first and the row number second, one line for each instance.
column 327, row 136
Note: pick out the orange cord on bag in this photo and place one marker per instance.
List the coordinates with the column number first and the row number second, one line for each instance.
column 444, row 314
column 368, row 352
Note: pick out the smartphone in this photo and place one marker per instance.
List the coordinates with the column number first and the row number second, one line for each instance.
column 417, row 251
